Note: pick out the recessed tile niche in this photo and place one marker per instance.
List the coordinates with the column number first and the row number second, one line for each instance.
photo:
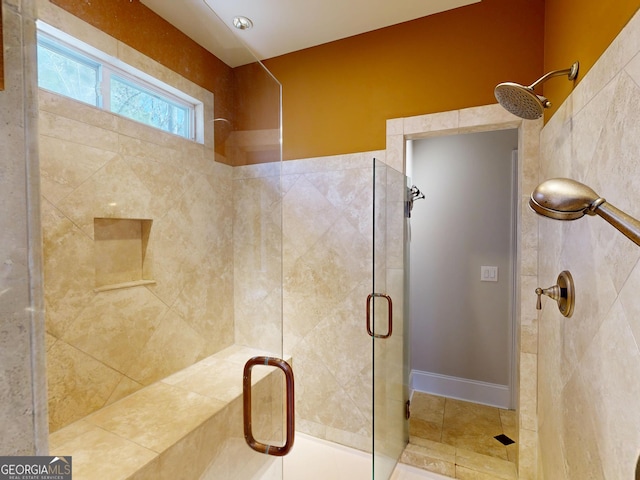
column 121, row 253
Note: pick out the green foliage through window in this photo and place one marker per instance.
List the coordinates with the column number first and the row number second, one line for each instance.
column 63, row 72
column 70, row 72
column 145, row 106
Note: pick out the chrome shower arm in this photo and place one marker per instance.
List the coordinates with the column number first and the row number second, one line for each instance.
column 625, row 224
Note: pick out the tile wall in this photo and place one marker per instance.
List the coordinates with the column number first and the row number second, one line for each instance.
column 589, row 364
column 257, row 256
column 327, row 234
column 105, row 343
column 327, row 274
column 200, row 215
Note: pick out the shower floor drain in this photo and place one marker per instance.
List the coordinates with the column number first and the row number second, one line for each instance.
column 503, row 439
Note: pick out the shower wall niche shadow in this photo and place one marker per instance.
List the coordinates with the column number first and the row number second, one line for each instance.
column 121, row 253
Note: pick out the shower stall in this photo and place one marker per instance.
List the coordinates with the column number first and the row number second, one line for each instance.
column 200, row 313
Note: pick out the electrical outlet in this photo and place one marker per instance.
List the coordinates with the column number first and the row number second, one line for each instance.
column 488, row 274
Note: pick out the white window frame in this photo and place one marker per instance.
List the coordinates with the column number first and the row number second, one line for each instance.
column 111, row 65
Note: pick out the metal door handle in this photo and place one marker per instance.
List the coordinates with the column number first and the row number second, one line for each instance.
column 390, row 317
column 246, row 411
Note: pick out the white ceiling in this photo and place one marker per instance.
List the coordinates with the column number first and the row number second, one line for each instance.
column 284, row 26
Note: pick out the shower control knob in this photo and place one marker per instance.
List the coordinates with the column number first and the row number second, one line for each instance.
column 563, row 293
column 551, row 292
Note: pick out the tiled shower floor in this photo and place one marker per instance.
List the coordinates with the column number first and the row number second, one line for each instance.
column 457, row 438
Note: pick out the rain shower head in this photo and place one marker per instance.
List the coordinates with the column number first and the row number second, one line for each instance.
column 566, row 199
column 523, row 101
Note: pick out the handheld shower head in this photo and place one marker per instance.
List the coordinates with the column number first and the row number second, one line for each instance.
column 523, row 101
column 566, row 199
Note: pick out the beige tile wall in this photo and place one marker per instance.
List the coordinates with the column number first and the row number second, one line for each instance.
column 326, row 249
column 589, row 364
column 257, row 256
column 327, row 276
column 92, row 161
column 103, row 345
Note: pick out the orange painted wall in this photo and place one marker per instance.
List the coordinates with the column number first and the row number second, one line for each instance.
column 139, row 27
column 579, row 30
column 337, row 96
column 257, row 98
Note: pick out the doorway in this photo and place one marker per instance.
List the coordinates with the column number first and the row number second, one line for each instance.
column 481, row 119
column 463, row 246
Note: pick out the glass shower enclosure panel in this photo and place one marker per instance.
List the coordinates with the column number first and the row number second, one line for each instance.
column 258, row 426
column 385, row 320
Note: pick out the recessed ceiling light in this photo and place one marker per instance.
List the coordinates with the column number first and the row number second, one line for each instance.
column 242, row 23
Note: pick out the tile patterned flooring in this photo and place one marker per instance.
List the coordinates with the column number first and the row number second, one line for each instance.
column 456, row 438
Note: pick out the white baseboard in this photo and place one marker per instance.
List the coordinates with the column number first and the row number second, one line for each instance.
column 461, row 388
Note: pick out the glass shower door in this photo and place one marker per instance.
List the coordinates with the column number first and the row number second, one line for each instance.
column 385, row 320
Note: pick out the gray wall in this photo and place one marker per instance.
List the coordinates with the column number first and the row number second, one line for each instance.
column 461, row 326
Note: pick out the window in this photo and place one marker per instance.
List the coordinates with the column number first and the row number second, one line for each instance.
column 66, row 73
column 130, row 99
column 71, row 68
